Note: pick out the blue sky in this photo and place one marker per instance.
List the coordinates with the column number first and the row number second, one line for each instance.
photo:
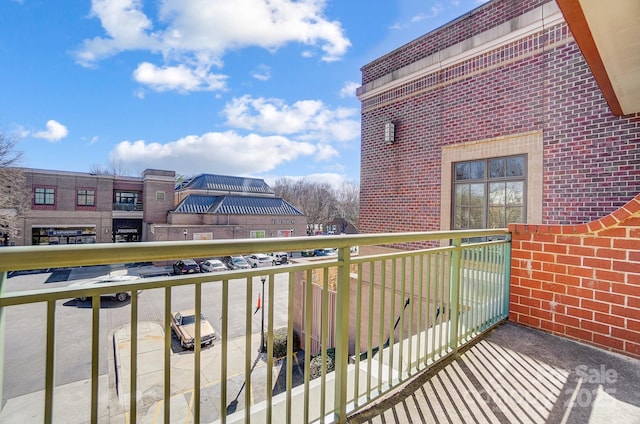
column 261, row 88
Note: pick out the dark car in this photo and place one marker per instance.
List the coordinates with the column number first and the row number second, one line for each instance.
column 186, row 266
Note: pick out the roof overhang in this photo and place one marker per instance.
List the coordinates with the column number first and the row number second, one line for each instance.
column 608, row 34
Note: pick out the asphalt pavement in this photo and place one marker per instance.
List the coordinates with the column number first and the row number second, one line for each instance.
column 72, row 401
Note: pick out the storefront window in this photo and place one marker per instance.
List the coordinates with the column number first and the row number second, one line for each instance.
column 63, row 235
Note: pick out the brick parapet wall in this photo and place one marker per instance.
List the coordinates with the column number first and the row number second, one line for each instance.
column 463, row 28
column 581, row 281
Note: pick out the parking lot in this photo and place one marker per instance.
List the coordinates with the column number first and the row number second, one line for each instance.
column 24, row 360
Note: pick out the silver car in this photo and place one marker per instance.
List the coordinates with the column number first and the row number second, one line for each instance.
column 213, row 265
column 258, row 260
column 105, row 279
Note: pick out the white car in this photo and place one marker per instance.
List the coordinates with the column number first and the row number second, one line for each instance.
column 279, row 258
column 213, row 265
column 105, row 279
column 258, row 260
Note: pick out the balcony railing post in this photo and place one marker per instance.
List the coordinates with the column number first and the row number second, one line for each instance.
column 342, row 334
column 454, row 294
column 3, row 283
column 507, row 276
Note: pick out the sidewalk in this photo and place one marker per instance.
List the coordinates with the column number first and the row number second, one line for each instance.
column 150, row 390
column 72, row 402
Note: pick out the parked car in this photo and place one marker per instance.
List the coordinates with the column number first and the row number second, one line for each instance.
column 258, row 260
column 213, row 265
column 324, row 252
column 235, row 262
column 306, row 253
column 279, row 258
column 183, row 325
column 185, row 266
column 105, row 279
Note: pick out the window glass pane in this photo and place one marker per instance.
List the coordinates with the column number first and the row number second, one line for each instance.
column 515, row 193
column 497, row 194
column 496, row 217
column 496, row 197
column 515, row 166
column 476, row 194
column 462, row 171
column 477, row 170
column 496, row 168
column 44, row 196
column 461, row 220
column 462, row 194
column 86, row 197
column 476, row 217
column 514, row 215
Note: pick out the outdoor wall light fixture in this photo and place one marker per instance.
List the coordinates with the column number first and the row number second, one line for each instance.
column 389, row 133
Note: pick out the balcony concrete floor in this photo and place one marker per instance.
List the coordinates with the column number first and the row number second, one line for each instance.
column 519, row 375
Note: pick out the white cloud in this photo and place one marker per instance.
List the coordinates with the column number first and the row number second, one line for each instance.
column 262, row 73
column 179, row 78
column 126, row 27
column 55, row 131
column 220, row 25
column 309, row 120
column 326, row 152
column 215, row 152
column 349, row 89
column 201, row 32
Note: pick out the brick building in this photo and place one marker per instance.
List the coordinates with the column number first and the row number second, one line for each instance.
column 82, row 208
column 492, row 119
column 523, row 114
column 211, row 206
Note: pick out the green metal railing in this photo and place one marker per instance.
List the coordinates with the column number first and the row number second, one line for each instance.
column 390, row 315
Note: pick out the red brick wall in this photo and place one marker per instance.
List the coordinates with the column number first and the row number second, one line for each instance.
column 462, row 28
column 537, row 84
column 581, row 281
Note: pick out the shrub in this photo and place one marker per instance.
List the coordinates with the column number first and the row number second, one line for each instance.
column 315, row 365
column 280, row 342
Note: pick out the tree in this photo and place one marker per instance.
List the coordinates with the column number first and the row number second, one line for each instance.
column 315, row 200
column 115, row 167
column 348, row 205
column 322, row 203
column 14, row 197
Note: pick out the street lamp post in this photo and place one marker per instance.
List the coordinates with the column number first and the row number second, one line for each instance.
column 263, row 344
column 291, row 235
column 184, row 233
